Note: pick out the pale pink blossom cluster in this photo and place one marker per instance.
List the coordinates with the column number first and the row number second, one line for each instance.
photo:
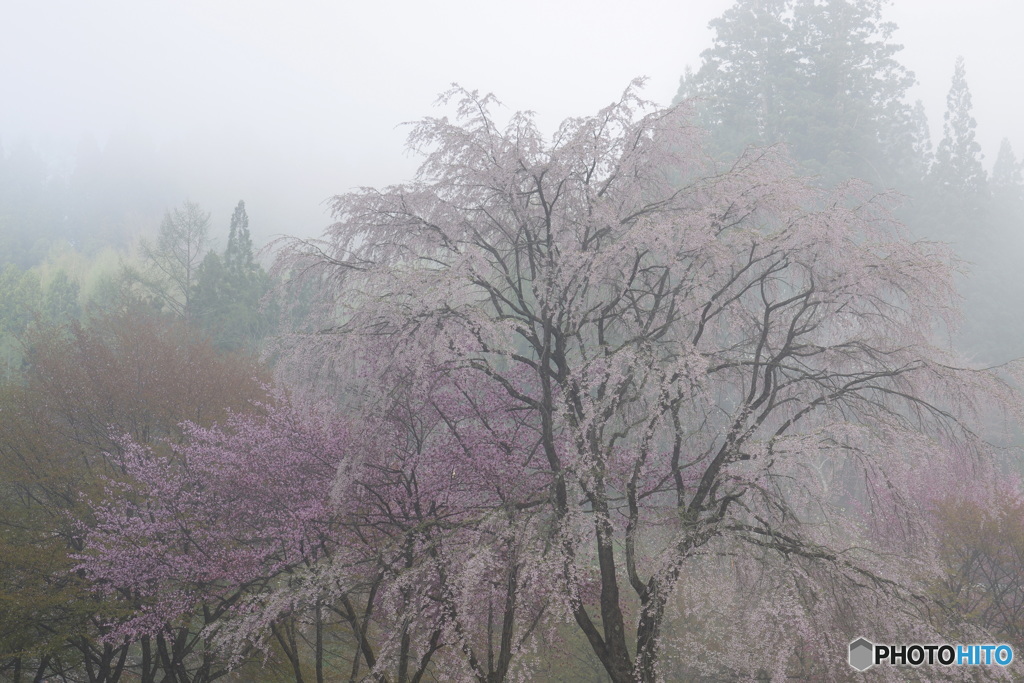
column 596, row 384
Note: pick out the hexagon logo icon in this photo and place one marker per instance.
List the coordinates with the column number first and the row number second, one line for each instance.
column 862, row 654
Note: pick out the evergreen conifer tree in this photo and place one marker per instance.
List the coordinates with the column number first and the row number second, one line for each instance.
column 230, row 289
column 1007, row 179
column 958, row 168
column 746, row 79
column 821, row 76
column 238, row 256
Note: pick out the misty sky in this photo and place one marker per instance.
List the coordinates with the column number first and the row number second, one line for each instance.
column 285, row 105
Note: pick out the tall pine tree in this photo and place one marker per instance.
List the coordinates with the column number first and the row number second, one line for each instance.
column 230, row 289
column 1007, row 179
column 961, row 211
column 238, row 256
column 820, row 75
column 958, row 168
column 748, row 76
column 853, row 111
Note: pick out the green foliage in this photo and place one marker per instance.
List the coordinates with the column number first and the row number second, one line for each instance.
column 747, row 76
column 958, row 166
column 122, row 372
column 20, row 298
column 958, row 205
column 60, row 302
column 982, row 555
column 822, row 76
column 20, row 295
column 979, row 218
column 44, row 605
column 238, row 256
column 1007, row 179
column 173, row 262
column 229, row 289
column 819, row 75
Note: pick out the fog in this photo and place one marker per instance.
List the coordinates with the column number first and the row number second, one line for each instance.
column 286, row 108
column 659, row 398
